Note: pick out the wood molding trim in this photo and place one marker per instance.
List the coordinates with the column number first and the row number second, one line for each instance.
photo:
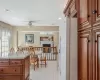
column 71, row 8
column 67, row 6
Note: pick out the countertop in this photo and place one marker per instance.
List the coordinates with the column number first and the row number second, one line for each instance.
column 15, row 56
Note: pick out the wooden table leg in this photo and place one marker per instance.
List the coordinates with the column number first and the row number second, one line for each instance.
column 34, row 66
column 38, row 63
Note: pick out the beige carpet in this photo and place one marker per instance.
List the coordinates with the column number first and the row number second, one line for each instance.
column 48, row 73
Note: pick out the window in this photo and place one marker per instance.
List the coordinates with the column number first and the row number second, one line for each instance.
column 4, row 41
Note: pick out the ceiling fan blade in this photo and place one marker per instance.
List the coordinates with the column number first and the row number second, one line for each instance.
column 32, row 21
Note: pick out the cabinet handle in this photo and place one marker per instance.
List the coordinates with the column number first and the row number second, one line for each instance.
column 94, row 11
column 88, row 41
column 2, row 70
column 15, row 70
column 95, row 40
column 88, row 16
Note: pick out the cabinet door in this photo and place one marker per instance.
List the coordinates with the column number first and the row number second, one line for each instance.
column 96, row 57
column 85, row 11
column 96, row 10
column 83, row 57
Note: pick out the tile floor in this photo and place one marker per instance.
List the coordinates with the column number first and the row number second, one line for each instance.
column 48, row 73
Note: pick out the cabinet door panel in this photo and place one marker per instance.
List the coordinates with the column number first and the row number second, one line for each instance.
column 96, row 10
column 97, row 57
column 83, row 57
column 84, row 11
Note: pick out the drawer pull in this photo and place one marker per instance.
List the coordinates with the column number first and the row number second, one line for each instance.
column 2, row 70
column 15, row 70
column 94, row 11
column 4, row 62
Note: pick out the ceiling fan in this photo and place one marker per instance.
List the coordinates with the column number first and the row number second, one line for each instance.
column 30, row 23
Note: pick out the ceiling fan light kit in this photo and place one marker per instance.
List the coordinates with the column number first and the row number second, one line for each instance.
column 30, row 23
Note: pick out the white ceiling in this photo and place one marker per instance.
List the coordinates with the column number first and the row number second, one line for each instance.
column 21, row 11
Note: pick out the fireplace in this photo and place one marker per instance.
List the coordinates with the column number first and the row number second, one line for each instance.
column 49, row 49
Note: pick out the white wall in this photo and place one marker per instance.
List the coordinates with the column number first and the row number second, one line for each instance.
column 68, row 49
column 37, row 35
column 19, row 35
column 71, row 59
column 62, row 46
column 73, row 49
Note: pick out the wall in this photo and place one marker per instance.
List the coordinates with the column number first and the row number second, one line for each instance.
column 38, row 28
column 19, row 32
column 62, row 51
column 68, row 49
column 2, row 24
column 71, row 49
column 37, row 35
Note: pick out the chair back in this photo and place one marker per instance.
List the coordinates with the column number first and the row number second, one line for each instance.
column 12, row 50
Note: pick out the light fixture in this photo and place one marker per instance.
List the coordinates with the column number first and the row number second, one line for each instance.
column 59, row 18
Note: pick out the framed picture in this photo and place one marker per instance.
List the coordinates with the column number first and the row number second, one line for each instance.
column 29, row 38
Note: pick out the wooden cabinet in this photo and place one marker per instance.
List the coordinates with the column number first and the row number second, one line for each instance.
column 15, row 62
column 96, row 54
column 84, row 59
column 15, row 69
column 88, row 11
column 97, row 64
column 88, row 14
column 10, row 70
column 4, row 62
column 71, row 8
column 98, row 8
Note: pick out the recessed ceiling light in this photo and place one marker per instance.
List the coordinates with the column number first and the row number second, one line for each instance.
column 59, row 18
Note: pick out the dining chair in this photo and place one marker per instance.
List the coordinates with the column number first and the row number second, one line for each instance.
column 34, row 60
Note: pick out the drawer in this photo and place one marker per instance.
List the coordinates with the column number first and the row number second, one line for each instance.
column 10, row 70
column 4, row 62
column 15, row 62
column 10, row 78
